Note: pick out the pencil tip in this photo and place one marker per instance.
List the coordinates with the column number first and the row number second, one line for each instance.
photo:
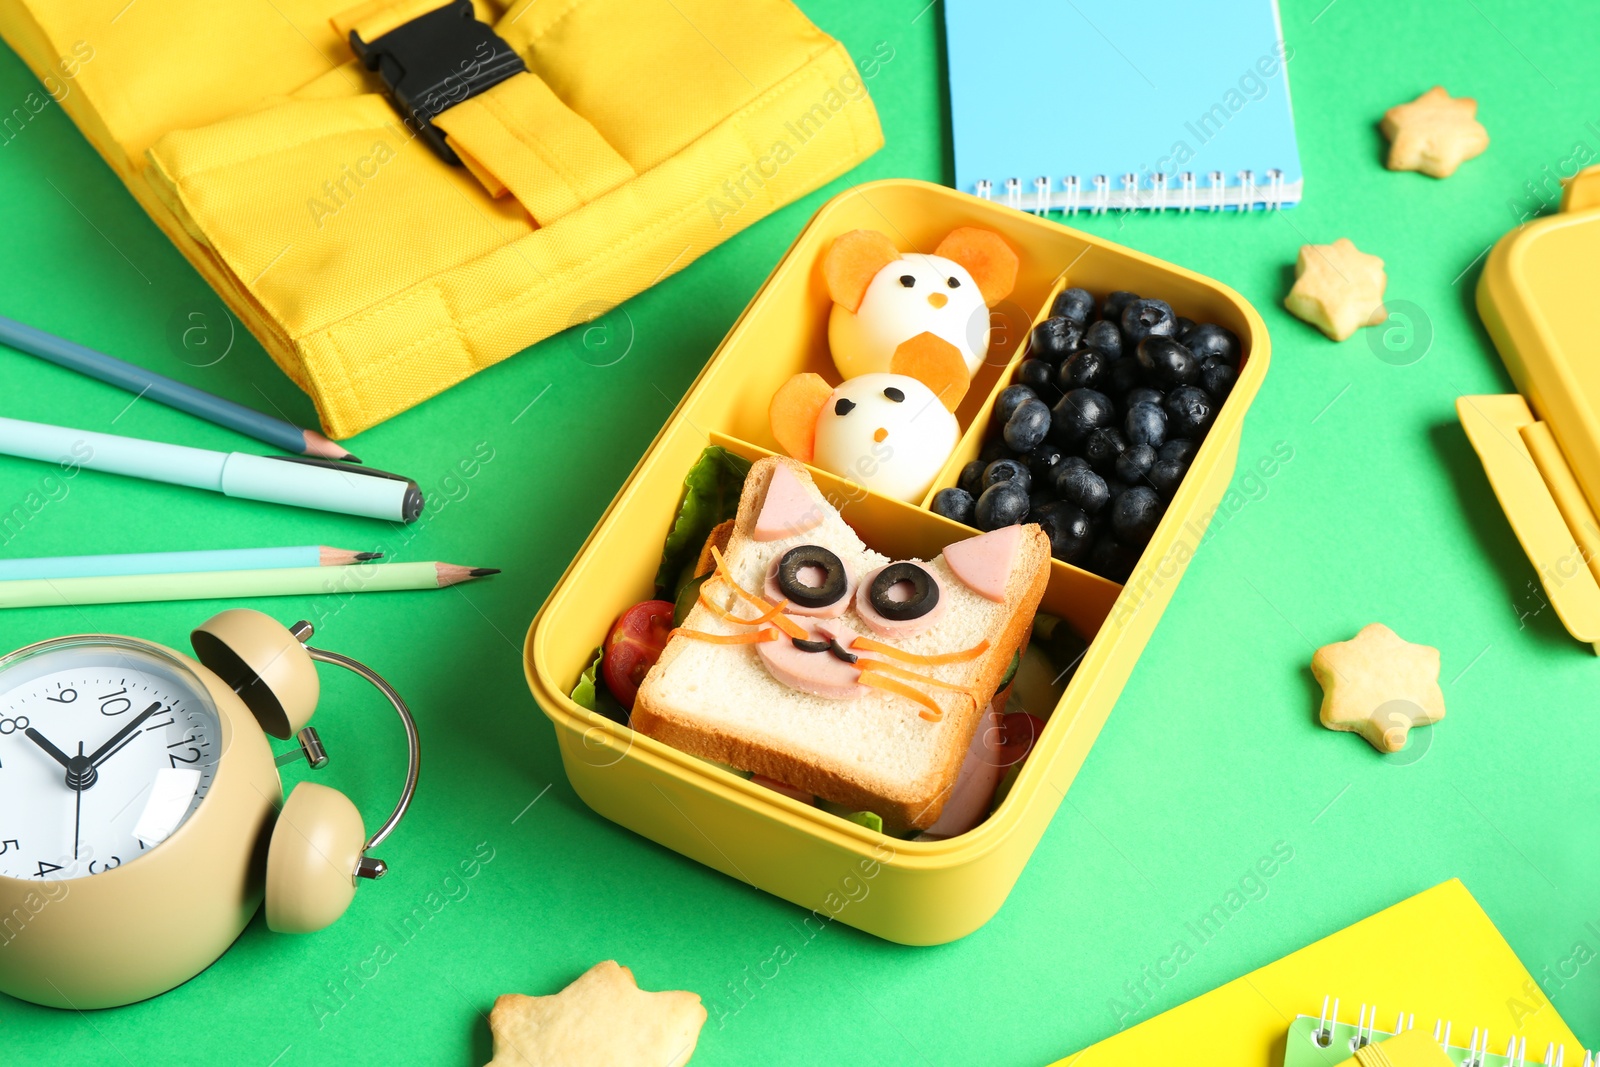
column 363, row 557
column 480, row 572
column 321, row 447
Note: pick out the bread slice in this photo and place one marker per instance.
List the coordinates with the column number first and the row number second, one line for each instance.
column 874, row 751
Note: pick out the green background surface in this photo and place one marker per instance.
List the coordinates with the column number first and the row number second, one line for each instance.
column 1210, row 759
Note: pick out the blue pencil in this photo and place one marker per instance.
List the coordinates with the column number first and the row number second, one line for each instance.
column 216, row 559
column 175, row 394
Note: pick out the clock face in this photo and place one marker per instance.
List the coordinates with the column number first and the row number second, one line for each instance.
column 106, row 747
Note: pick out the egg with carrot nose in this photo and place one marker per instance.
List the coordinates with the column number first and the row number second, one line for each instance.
column 908, row 332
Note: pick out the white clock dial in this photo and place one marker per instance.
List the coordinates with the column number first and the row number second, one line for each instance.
column 106, row 747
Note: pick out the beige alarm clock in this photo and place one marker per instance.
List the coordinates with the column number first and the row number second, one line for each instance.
column 139, row 807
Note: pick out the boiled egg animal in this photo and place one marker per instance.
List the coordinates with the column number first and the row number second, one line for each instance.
column 888, row 433
column 882, row 299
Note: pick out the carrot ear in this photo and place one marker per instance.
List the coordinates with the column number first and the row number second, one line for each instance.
column 853, row 261
column 936, row 363
column 990, row 261
column 793, row 414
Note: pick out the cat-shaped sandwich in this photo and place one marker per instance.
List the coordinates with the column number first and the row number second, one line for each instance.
column 816, row 661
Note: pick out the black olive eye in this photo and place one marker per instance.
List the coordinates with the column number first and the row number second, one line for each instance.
column 920, row 597
column 894, row 394
column 843, row 406
column 812, row 577
column 955, row 283
column 907, row 280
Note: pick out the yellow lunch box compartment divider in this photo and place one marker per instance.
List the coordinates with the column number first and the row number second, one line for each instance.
column 913, row 892
column 376, row 274
column 1541, row 447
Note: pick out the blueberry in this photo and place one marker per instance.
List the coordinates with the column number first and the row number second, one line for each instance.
column 1184, row 326
column 1054, row 339
column 1078, row 413
column 1146, row 424
column 1102, row 447
column 1165, row 474
column 1036, row 374
column 1189, row 411
column 1084, row 369
column 1111, row 559
column 1043, row 460
column 1210, row 341
column 1002, row 504
column 1106, row 336
column 1179, row 448
column 971, row 480
column 1026, row 428
column 1074, row 304
column 1134, row 462
column 1007, row 470
column 1167, row 363
column 1217, row 378
column 954, row 504
column 1134, row 515
column 1080, row 486
column 1148, row 318
column 1115, row 303
column 1011, row 398
column 1124, row 375
column 1143, row 395
column 994, row 450
column 1069, row 529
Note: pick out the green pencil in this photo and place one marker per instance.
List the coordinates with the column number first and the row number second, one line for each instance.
column 218, row 585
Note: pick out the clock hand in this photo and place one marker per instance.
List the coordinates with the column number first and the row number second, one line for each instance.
column 50, row 750
column 77, row 811
column 99, row 755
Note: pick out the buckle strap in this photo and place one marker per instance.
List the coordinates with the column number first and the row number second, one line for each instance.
column 436, row 61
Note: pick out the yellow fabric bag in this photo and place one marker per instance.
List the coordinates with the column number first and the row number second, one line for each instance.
column 376, row 273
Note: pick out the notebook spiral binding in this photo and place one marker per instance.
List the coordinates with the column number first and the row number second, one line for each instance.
column 1186, row 197
column 1329, row 1033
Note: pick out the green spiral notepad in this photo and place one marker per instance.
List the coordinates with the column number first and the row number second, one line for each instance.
column 1324, row 1041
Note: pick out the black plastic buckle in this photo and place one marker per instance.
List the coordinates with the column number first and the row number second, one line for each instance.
column 434, row 62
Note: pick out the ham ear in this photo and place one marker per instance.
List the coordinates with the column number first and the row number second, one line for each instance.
column 983, row 563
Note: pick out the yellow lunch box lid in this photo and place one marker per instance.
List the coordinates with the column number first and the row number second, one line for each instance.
column 1541, row 446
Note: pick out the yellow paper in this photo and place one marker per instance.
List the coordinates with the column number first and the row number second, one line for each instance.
column 1436, row 955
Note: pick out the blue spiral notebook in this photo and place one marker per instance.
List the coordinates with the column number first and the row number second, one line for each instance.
column 1069, row 105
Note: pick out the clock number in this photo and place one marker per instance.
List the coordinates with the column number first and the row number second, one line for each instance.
column 109, row 702
column 179, row 759
column 11, row 726
column 8, row 844
column 46, row 868
column 115, row 862
column 66, row 696
column 159, row 725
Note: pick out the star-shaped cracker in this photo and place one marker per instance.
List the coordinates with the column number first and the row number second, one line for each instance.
column 1435, row 133
column 1338, row 288
column 1379, row 686
column 602, row 1020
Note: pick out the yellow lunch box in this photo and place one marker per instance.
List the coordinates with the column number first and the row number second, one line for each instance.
column 1540, row 446
column 913, row 892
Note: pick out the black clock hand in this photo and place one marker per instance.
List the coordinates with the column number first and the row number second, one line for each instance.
column 77, row 811
column 43, row 742
column 99, row 755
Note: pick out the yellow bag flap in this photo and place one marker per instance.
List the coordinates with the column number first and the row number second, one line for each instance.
column 521, row 138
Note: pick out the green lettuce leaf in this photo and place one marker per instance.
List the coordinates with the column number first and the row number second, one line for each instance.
column 710, row 496
column 591, row 693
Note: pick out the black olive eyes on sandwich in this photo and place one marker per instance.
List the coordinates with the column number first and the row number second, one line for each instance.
column 903, row 591
column 812, row 577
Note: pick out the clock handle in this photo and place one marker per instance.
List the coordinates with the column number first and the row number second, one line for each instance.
column 371, row 867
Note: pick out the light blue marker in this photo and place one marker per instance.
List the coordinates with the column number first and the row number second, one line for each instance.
column 298, row 481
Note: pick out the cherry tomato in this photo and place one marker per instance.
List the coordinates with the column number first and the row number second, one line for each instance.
column 1018, row 732
column 633, row 646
